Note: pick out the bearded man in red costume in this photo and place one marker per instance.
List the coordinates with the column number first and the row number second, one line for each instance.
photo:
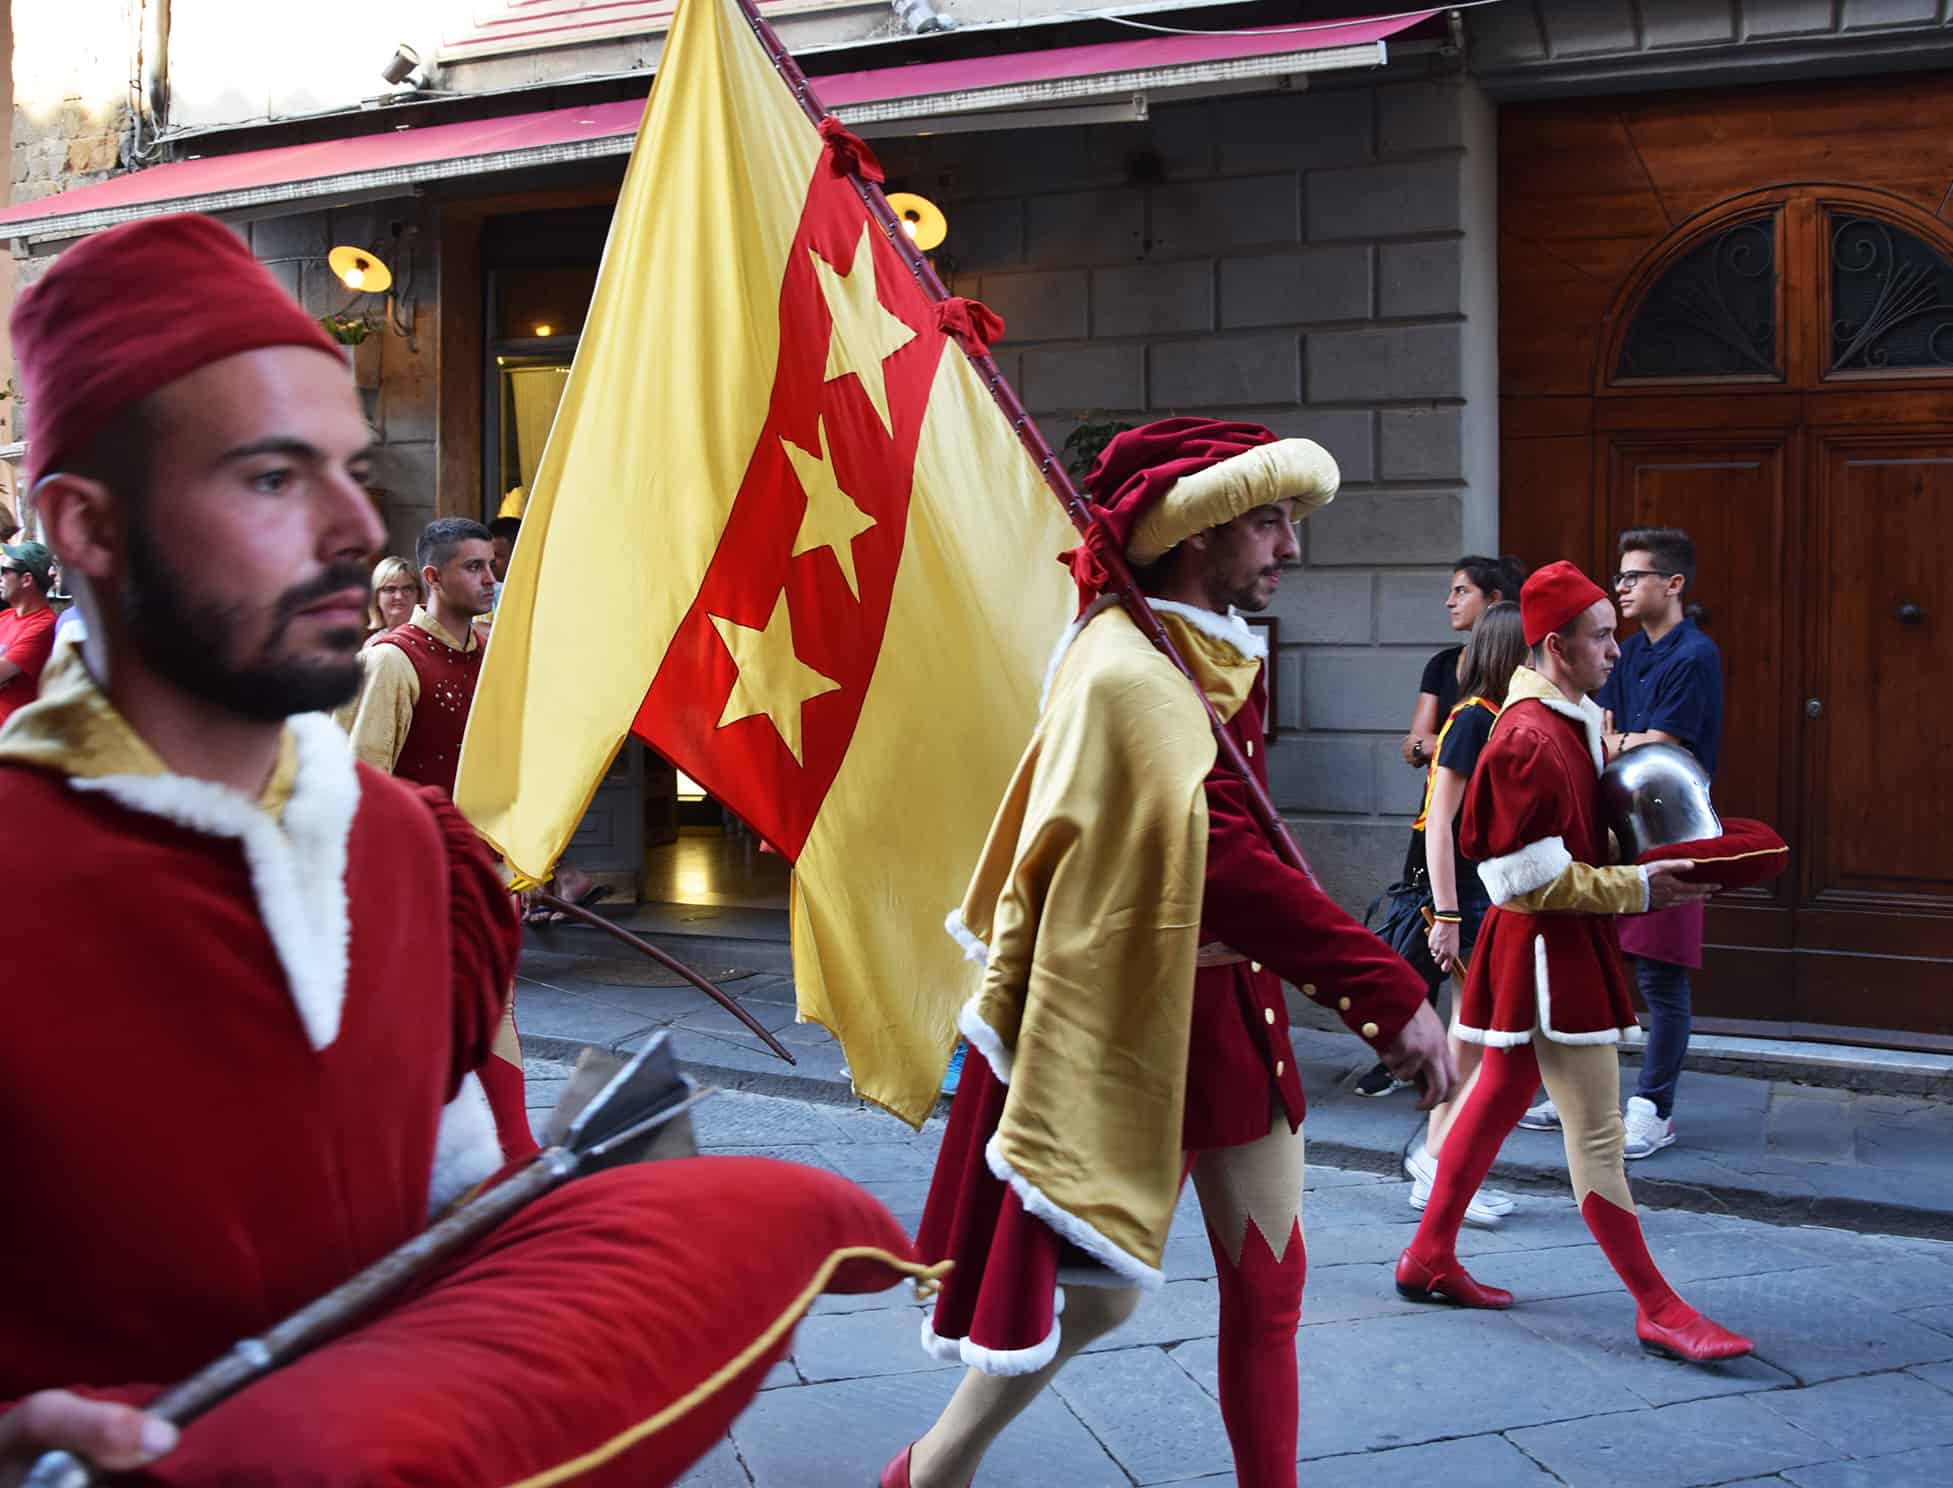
column 1545, row 994
column 278, row 967
column 1136, row 927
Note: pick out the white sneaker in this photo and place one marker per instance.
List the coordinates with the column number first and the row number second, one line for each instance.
column 1543, row 1117
column 1647, row 1133
column 1487, row 1208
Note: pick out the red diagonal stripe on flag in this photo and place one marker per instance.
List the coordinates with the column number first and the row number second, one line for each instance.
column 747, row 763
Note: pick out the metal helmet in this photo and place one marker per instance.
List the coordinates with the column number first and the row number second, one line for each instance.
column 1656, row 795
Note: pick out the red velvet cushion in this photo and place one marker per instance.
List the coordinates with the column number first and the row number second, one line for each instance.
column 609, row 1333
column 1748, row 852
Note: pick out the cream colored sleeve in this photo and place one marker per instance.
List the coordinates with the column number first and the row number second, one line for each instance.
column 386, row 707
column 1581, row 889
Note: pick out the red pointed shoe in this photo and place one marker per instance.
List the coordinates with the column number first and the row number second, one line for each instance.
column 1698, row 1341
column 1452, row 1285
column 896, row 1474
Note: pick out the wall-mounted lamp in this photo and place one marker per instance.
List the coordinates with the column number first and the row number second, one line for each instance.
column 360, row 271
column 921, row 219
column 401, row 67
column 363, row 272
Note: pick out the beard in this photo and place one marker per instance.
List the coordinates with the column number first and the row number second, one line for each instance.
column 189, row 642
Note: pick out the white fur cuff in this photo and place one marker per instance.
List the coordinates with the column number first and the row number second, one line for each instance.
column 1534, row 866
column 973, row 948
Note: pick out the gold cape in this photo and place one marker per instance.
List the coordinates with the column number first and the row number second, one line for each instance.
column 1086, row 903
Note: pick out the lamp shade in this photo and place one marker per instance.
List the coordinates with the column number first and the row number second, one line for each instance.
column 923, row 219
column 359, row 270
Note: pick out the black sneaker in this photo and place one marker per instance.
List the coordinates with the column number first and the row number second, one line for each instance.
column 1379, row 1081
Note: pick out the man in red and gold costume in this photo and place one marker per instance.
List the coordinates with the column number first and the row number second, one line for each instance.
column 1136, row 927
column 1545, row 994
column 278, row 967
column 421, row 676
column 413, row 711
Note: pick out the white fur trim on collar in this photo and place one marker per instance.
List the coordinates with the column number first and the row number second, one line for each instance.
column 1534, row 866
column 298, row 866
column 1587, row 714
column 1230, row 627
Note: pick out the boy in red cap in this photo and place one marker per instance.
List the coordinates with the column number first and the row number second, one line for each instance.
column 1545, row 993
column 1136, row 927
column 278, row 968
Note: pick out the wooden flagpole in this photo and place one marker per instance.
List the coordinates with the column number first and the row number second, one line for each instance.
column 1076, row 507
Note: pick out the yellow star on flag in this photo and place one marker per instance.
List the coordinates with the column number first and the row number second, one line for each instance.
column 865, row 334
column 772, row 679
column 832, row 519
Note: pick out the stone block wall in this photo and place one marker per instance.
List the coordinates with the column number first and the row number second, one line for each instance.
column 1318, row 261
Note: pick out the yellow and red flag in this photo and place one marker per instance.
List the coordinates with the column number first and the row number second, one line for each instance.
column 781, row 533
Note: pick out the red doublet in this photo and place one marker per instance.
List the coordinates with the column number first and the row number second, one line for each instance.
column 431, row 752
column 1240, row 1063
column 1535, row 793
column 165, row 1101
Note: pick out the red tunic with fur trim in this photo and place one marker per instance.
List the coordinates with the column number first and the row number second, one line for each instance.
column 182, row 1167
column 1531, row 808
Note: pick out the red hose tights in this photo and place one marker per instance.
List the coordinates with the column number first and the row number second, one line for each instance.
column 1261, row 1306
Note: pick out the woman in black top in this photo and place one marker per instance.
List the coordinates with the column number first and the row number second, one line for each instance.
column 1476, row 582
column 1458, row 900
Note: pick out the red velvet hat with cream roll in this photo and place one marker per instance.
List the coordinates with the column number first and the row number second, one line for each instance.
column 1155, row 486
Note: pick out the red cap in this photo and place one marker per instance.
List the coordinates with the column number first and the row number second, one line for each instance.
column 131, row 310
column 1553, row 596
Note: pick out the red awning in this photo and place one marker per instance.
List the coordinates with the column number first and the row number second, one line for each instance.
column 400, row 160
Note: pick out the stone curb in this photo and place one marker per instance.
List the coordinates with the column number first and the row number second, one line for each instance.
column 1752, row 1200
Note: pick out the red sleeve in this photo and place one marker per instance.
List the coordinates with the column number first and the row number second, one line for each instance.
column 31, row 646
column 1280, row 917
column 484, row 937
column 1517, row 796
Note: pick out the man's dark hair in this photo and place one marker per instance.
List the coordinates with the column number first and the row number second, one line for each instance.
column 509, row 527
column 1500, row 576
column 442, row 536
column 1672, row 548
column 119, row 455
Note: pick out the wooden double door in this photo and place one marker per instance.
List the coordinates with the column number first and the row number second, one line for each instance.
column 1827, row 583
column 1775, row 375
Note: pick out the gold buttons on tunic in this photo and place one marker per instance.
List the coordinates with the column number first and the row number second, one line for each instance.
column 1342, row 1004
column 1308, row 989
column 1251, row 749
column 1369, row 1030
column 1255, row 966
column 1268, row 1015
column 1280, row 1065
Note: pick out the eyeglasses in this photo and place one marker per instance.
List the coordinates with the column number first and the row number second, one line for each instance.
column 1630, row 576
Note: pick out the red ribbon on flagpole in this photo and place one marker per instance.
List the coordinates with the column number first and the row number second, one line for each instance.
column 1103, row 556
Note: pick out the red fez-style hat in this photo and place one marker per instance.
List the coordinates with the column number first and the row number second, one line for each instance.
column 131, row 310
column 1553, row 596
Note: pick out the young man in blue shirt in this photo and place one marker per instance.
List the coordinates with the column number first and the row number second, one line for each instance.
column 1667, row 688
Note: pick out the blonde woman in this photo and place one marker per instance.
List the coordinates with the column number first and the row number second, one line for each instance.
column 396, row 590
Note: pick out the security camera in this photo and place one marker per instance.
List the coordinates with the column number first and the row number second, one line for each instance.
column 404, row 63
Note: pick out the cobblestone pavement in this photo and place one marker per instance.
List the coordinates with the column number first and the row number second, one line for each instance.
column 1851, row 1385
